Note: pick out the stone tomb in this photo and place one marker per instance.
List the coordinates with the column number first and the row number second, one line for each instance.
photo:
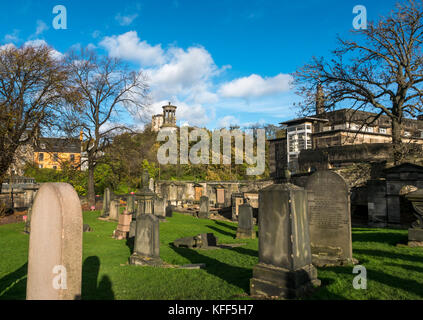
column 55, row 244
column 245, row 223
column 415, row 233
column 329, row 219
column 147, row 242
column 285, row 269
column 204, row 208
column 203, row 240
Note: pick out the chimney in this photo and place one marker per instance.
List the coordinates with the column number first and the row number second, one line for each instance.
column 320, row 100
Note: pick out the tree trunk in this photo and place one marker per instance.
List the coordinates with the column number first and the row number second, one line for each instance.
column 397, row 141
column 91, row 191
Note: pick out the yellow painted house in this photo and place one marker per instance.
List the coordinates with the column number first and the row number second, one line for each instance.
column 53, row 153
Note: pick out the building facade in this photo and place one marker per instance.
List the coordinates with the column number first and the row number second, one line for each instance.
column 53, row 153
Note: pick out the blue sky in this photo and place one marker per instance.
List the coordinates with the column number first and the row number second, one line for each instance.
column 221, row 62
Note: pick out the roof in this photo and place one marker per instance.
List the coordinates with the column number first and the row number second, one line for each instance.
column 302, row 120
column 62, row 145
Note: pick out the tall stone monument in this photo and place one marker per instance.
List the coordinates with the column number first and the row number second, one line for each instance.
column 415, row 232
column 130, row 204
column 147, row 241
column 106, row 203
column 55, row 244
column 285, row 269
column 245, row 223
column 204, row 208
column 329, row 219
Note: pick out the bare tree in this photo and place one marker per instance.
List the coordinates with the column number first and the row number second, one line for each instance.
column 108, row 91
column 380, row 71
column 31, row 94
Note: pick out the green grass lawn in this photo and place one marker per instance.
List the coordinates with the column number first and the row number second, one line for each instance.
column 393, row 272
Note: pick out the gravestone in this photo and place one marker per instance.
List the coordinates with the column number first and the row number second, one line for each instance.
column 147, row 241
column 204, row 208
column 237, row 199
column 151, row 184
column 145, row 197
column 55, row 244
column 130, row 204
column 285, row 268
column 245, row 223
column 203, row 240
column 169, row 209
column 123, row 227
column 114, row 210
column 159, row 208
column 27, row 227
column 329, row 219
column 415, row 232
column 105, row 211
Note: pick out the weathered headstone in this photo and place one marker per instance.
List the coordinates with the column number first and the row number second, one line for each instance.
column 27, row 227
column 55, row 244
column 159, row 208
column 114, row 210
column 204, row 208
column 329, row 219
column 169, row 209
column 415, row 233
column 145, row 197
column 285, row 269
column 245, row 223
column 130, row 204
column 237, row 200
column 106, row 203
column 147, row 241
column 151, row 184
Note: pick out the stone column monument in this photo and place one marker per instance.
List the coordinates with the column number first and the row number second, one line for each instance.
column 285, row 269
column 55, row 244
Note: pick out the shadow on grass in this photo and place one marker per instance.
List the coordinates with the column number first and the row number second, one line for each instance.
column 236, row 276
column 226, row 233
column 381, row 237
column 386, row 254
column 13, row 285
column 241, row 250
column 90, row 290
column 219, row 223
column 407, row 267
column 130, row 244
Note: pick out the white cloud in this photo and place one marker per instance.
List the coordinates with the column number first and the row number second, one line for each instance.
column 256, row 86
column 226, row 121
column 12, row 37
column 41, row 27
column 39, row 42
column 126, row 20
column 128, row 46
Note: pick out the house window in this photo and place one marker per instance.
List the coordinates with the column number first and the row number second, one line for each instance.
column 40, row 166
column 43, row 146
column 41, row 156
column 382, row 130
column 72, row 157
column 54, row 167
column 407, row 134
column 55, row 157
column 369, row 129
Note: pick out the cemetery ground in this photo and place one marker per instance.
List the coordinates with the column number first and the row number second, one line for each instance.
column 393, row 272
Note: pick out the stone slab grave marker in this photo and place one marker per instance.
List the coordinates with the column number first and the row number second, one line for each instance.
column 147, row 242
column 114, row 210
column 106, row 203
column 159, row 208
column 329, row 219
column 204, row 208
column 415, row 233
column 55, row 244
column 169, row 210
column 245, row 223
column 203, row 240
column 285, row 269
